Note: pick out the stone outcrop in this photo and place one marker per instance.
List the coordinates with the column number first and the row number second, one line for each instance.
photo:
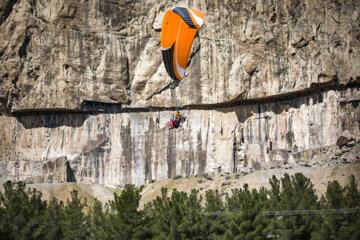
column 58, row 54
column 115, row 148
column 84, row 95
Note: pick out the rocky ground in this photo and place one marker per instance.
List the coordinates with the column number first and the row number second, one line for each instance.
column 319, row 175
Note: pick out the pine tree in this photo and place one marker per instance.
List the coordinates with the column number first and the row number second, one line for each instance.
column 352, row 193
column 297, row 193
column 334, row 199
column 125, row 220
column 51, row 227
column 352, row 221
column 248, row 223
column 340, row 225
column 99, row 220
column 217, row 224
column 178, row 214
column 174, row 233
column 20, row 212
column 192, row 223
column 74, row 223
column 23, row 215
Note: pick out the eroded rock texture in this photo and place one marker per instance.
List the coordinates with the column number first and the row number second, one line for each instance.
column 267, row 81
column 117, row 148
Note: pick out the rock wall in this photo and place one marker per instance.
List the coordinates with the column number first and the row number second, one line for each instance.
column 115, row 148
column 58, row 54
column 85, row 97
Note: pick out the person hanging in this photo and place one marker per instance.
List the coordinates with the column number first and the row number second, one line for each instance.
column 175, row 123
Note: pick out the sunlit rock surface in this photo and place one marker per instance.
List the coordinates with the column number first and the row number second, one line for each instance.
column 84, row 95
column 115, row 148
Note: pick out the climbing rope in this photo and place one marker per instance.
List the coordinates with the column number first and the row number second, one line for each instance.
column 173, row 95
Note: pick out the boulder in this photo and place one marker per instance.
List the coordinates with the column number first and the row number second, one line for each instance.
column 344, row 138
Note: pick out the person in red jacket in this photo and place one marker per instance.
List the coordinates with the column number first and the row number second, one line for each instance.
column 175, row 123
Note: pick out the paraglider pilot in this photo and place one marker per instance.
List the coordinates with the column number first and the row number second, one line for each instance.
column 175, row 123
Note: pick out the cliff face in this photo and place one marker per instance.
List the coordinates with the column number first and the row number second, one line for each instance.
column 85, row 97
column 117, row 148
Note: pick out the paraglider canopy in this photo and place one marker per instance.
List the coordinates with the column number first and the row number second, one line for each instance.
column 178, row 31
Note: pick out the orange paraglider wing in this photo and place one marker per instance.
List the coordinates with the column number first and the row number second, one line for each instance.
column 177, row 35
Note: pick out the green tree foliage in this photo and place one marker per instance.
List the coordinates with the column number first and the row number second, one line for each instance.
column 240, row 215
column 52, row 218
column 74, row 223
column 21, row 212
column 99, row 221
column 297, row 193
column 178, row 215
column 216, row 223
column 340, row 225
column 125, row 220
column 249, row 222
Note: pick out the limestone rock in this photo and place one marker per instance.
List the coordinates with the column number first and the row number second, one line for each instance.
column 344, row 138
column 145, row 83
column 5, row 9
column 62, row 54
column 239, row 80
column 84, row 94
column 351, row 144
column 158, row 20
column 115, row 147
column 250, row 63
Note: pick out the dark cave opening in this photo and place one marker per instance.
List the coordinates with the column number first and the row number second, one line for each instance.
column 70, row 176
